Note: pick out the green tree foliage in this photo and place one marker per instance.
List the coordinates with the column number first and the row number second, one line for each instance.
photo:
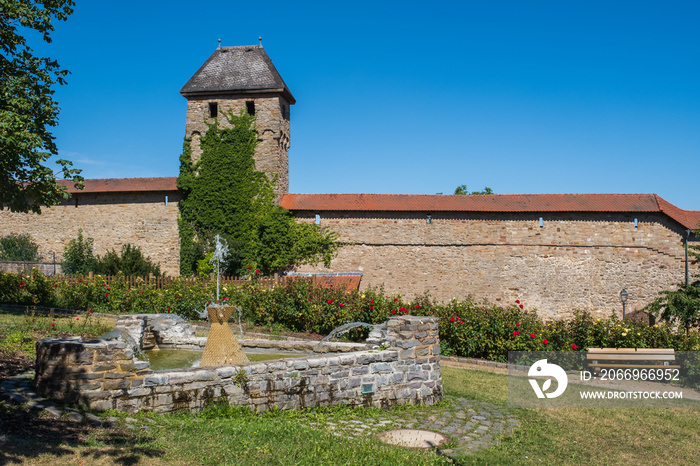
column 18, row 248
column 224, row 194
column 462, row 190
column 131, row 262
column 683, row 304
column 27, row 108
column 78, row 256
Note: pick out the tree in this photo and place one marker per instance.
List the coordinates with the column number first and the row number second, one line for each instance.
column 462, row 190
column 27, row 108
column 78, row 256
column 682, row 304
column 224, row 194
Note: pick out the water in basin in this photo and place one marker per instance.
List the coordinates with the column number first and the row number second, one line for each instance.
column 179, row 359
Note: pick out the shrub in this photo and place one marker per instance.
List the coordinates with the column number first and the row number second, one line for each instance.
column 78, row 257
column 131, row 262
column 466, row 328
column 18, row 248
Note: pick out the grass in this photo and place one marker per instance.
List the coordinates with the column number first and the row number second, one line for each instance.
column 21, row 328
column 578, row 436
column 223, row 435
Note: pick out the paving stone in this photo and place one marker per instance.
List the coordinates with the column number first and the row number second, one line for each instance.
column 53, row 411
column 35, row 405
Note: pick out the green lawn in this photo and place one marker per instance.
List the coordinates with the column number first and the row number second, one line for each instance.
column 232, row 436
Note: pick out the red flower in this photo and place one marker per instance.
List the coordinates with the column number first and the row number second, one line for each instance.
column 573, row 346
column 521, row 306
column 70, row 283
column 417, row 306
column 168, row 309
column 257, row 271
column 80, row 281
column 545, row 341
column 517, row 324
column 532, row 335
column 21, row 284
column 249, row 267
column 109, row 289
column 310, row 300
column 53, row 325
column 330, row 301
column 517, row 301
column 77, row 318
column 176, row 296
column 225, row 298
column 371, row 307
column 106, row 294
column 128, row 289
column 396, row 299
column 142, row 292
column 452, row 319
column 371, row 301
column 54, row 286
column 393, row 312
column 341, row 304
column 515, row 332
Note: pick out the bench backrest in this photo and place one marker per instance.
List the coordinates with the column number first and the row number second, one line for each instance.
column 631, row 354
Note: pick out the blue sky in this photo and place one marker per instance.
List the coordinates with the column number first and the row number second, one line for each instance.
column 406, row 97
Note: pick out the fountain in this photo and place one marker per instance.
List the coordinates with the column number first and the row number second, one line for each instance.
column 222, row 346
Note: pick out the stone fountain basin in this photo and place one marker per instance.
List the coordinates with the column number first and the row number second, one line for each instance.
column 103, row 374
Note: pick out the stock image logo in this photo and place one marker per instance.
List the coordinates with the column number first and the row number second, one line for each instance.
column 543, row 369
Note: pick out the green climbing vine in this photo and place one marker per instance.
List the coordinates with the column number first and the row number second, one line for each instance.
column 224, row 194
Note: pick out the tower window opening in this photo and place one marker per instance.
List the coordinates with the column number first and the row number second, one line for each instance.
column 213, row 110
column 250, row 107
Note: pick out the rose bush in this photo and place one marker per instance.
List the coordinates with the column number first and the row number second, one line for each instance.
column 467, row 329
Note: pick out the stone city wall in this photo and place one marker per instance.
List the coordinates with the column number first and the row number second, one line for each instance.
column 112, row 219
column 103, row 374
column 574, row 261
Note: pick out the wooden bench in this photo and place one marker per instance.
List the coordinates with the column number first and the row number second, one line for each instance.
column 631, row 358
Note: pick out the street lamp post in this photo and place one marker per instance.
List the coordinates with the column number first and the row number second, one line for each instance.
column 623, row 298
column 687, row 276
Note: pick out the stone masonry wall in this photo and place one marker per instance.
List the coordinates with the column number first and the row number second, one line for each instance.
column 272, row 122
column 574, row 261
column 112, row 219
column 104, row 375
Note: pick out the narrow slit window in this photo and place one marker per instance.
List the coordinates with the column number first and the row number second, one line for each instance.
column 250, row 107
column 541, row 222
column 636, row 224
column 213, row 110
column 317, row 221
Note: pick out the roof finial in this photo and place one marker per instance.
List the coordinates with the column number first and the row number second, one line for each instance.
column 260, row 39
column 219, row 47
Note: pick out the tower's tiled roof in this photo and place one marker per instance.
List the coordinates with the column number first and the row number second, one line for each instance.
column 534, row 203
column 238, row 70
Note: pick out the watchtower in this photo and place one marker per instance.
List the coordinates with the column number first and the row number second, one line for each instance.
column 236, row 78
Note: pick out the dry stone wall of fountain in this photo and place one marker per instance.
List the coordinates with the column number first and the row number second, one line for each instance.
column 104, row 374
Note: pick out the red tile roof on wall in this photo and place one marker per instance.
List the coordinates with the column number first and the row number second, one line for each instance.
column 428, row 203
column 490, row 203
column 123, row 185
